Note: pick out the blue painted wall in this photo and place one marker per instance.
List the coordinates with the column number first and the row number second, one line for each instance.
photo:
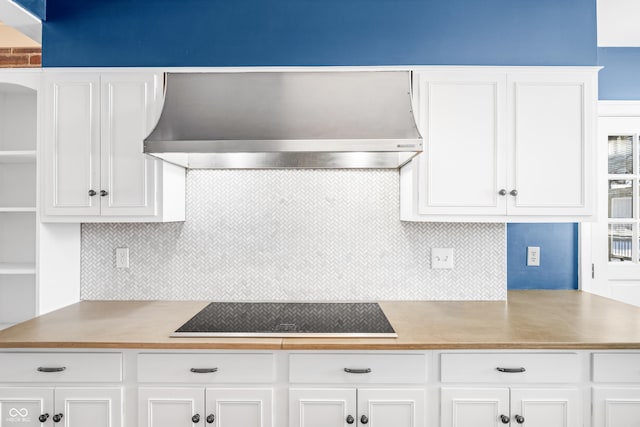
column 318, row 32
column 620, row 77
column 349, row 32
column 37, row 7
column 558, row 256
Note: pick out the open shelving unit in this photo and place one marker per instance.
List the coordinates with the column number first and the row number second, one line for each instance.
column 18, row 201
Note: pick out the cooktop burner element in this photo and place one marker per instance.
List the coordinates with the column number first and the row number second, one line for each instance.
column 285, row 319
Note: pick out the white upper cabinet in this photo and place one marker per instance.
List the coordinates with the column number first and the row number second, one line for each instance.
column 72, row 144
column 127, row 118
column 552, row 135
column 503, row 144
column 461, row 116
column 94, row 168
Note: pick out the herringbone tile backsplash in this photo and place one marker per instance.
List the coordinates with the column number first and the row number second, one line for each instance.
column 293, row 235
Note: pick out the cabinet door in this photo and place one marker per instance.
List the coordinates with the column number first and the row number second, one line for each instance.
column 545, row 407
column 239, row 407
column 322, row 407
column 462, row 169
column 551, row 132
column 477, row 407
column 391, row 408
column 72, row 144
column 170, row 407
column 616, row 407
column 24, row 406
column 129, row 105
column 82, row 407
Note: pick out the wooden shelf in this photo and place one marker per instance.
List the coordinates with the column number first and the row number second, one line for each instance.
column 26, row 156
column 6, row 325
column 7, row 268
column 17, row 209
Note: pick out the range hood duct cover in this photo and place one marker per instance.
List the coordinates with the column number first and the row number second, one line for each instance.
column 247, row 120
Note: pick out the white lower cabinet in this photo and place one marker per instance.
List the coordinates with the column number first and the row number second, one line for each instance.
column 155, row 388
column 473, row 407
column 337, row 407
column 64, row 406
column 190, row 406
column 511, row 388
column 616, row 407
column 493, row 407
column 616, row 404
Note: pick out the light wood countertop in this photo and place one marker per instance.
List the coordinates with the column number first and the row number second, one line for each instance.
column 528, row 320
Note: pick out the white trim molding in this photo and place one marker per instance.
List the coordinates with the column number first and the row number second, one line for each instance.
column 618, row 108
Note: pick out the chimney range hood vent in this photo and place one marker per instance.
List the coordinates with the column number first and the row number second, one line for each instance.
column 262, row 120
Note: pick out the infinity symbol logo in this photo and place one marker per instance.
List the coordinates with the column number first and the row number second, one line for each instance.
column 14, row 412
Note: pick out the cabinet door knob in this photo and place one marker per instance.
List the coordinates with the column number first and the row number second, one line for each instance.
column 502, row 192
column 92, row 193
column 195, row 419
column 57, row 418
column 44, row 417
column 513, row 192
column 350, row 419
column 106, row 193
column 364, row 419
column 211, row 418
column 504, row 419
column 519, row 419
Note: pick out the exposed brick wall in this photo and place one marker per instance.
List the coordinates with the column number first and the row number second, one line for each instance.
column 20, row 57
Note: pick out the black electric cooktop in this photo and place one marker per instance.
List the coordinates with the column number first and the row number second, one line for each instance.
column 288, row 319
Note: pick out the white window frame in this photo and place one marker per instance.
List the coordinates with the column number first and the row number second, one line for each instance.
column 620, row 281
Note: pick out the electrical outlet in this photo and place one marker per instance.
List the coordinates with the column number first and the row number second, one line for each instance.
column 122, row 257
column 533, row 256
column 442, row 258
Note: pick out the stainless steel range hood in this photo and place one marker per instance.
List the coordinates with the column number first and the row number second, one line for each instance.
column 314, row 119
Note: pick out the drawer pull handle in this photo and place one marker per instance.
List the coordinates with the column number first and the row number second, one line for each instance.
column 57, row 418
column 364, row 419
column 44, row 369
column 519, row 419
column 43, row 418
column 504, row 419
column 204, row 370
column 195, row 419
column 511, row 370
column 357, row 371
column 350, row 419
column 211, row 419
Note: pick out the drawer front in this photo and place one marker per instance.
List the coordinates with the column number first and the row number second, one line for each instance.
column 206, row 367
column 48, row 367
column 510, row 368
column 364, row 368
column 616, row 367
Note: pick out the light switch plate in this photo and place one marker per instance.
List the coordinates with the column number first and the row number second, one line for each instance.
column 533, row 256
column 442, row 258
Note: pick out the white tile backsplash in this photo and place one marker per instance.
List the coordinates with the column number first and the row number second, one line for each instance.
column 293, row 235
